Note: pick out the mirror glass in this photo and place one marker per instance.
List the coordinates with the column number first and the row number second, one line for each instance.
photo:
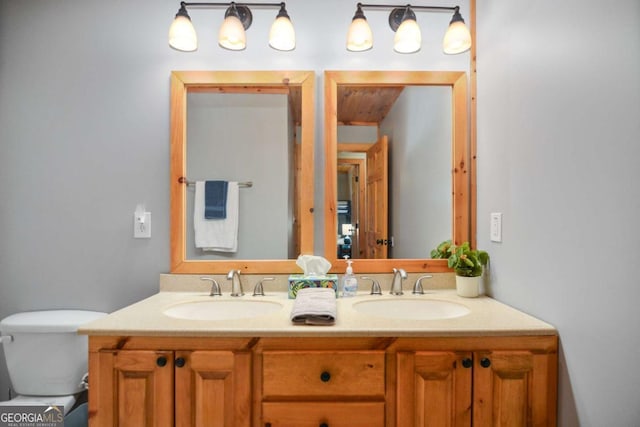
column 416, row 123
column 396, row 162
column 251, row 139
column 256, row 129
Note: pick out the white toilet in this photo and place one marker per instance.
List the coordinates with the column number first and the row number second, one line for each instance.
column 46, row 358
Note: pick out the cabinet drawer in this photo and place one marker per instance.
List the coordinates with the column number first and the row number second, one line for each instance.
column 323, row 373
column 329, row 414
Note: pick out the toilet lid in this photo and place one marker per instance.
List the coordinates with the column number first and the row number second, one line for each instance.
column 66, row 401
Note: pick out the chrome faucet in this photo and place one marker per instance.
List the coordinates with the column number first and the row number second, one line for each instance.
column 236, row 283
column 396, row 283
column 417, row 287
column 215, row 287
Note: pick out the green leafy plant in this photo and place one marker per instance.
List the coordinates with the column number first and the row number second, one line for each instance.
column 465, row 261
column 443, row 251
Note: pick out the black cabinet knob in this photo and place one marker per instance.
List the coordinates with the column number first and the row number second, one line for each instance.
column 485, row 363
column 467, row 363
column 323, row 425
column 161, row 361
column 180, row 362
column 325, row 376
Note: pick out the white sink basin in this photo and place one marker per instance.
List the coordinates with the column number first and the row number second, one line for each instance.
column 222, row 309
column 411, row 309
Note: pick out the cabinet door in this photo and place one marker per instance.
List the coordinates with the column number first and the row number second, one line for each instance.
column 135, row 388
column 433, row 389
column 213, row 388
column 514, row 388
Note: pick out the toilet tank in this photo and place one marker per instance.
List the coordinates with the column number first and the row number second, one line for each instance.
column 46, row 356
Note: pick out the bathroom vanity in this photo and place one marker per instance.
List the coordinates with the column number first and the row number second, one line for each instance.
column 492, row 365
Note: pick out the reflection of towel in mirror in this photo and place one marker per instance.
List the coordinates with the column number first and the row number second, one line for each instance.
column 219, row 235
column 314, row 306
column 215, row 199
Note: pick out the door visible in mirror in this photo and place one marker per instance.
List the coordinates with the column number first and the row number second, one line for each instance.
column 407, row 204
column 425, row 196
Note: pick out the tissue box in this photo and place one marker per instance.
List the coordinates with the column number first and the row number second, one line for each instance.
column 300, row 281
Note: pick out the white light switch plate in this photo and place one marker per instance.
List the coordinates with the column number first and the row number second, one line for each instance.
column 142, row 225
column 496, row 227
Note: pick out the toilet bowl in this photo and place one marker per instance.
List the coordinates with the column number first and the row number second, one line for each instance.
column 46, row 358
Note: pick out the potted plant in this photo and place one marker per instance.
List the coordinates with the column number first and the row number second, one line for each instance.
column 467, row 263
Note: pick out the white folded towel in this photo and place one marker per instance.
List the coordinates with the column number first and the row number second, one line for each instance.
column 219, row 235
column 314, row 306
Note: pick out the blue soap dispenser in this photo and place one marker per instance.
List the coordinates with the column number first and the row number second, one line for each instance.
column 349, row 281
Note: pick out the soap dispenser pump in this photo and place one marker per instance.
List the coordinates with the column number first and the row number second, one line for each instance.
column 349, row 281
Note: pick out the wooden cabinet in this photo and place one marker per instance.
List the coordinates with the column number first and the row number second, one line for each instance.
column 135, row 388
column 514, row 388
column 330, row 388
column 509, row 387
column 145, row 387
column 433, row 388
column 323, row 382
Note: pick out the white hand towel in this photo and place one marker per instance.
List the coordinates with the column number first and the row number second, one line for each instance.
column 314, row 306
column 219, row 235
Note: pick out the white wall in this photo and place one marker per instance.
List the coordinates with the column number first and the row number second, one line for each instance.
column 419, row 131
column 558, row 145
column 84, row 132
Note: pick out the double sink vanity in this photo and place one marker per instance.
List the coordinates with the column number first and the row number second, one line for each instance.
column 186, row 358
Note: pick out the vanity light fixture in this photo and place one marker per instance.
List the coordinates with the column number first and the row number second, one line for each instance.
column 237, row 19
column 408, row 38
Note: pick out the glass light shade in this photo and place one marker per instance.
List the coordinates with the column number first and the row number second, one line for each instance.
column 282, row 35
column 182, row 35
column 408, row 38
column 457, row 38
column 232, row 35
column 359, row 37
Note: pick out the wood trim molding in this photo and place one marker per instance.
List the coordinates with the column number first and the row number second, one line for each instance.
column 183, row 81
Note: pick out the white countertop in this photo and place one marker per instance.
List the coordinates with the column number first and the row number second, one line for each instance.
column 487, row 317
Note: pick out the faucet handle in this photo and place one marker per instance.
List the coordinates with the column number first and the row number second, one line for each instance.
column 215, row 287
column 258, row 290
column 375, row 286
column 417, row 287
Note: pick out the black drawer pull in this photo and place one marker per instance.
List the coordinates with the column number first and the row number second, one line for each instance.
column 323, row 425
column 467, row 363
column 325, row 377
column 485, row 363
column 180, row 362
column 161, row 361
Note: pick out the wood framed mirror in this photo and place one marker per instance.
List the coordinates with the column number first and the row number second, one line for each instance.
column 297, row 88
column 364, row 98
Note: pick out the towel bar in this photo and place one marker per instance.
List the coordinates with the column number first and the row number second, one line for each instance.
column 244, row 184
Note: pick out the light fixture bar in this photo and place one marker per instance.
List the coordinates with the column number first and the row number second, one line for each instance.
column 394, row 6
column 227, row 4
column 237, row 19
column 402, row 21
